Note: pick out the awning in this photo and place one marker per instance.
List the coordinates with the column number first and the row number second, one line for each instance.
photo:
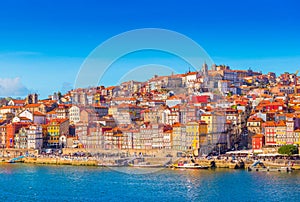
column 240, row 152
column 269, row 155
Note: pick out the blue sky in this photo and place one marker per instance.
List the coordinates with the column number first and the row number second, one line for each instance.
column 44, row 43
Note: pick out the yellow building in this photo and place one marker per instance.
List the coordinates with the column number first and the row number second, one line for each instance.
column 207, row 118
column 55, row 129
column 97, row 97
column 176, row 137
column 203, row 132
column 194, row 131
column 297, row 137
column 281, row 133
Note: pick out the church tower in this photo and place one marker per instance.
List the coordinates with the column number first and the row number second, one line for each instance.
column 204, row 69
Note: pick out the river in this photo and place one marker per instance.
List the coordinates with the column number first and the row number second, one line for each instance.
column 25, row 182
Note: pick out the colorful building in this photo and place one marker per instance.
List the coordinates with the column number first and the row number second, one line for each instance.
column 56, row 128
column 258, row 141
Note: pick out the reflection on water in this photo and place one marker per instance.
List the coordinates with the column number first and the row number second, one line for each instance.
column 20, row 182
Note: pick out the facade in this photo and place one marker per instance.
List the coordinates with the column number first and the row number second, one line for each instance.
column 167, row 140
column 177, row 137
column 74, row 114
column 39, row 118
column 11, row 130
column 62, row 111
column 36, row 107
column 281, row 133
column 88, row 116
column 35, row 137
column 297, row 137
column 270, row 133
column 21, row 139
column 14, row 102
column 3, row 135
column 254, row 125
column 258, row 141
column 57, row 128
column 151, row 115
column 100, row 110
column 192, row 134
column 173, row 101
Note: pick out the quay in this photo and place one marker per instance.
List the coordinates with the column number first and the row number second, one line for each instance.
column 68, row 157
column 91, row 161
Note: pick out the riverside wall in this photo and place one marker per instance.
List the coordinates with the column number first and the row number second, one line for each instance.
column 157, row 157
column 93, row 162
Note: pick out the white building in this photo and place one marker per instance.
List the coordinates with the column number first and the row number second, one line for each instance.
column 190, row 79
column 173, row 101
column 35, row 137
column 35, row 117
column 74, row 114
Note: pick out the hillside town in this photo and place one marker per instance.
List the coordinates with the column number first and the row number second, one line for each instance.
column 211, row 111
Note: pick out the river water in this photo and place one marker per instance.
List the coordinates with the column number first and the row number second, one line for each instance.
column 23, row 182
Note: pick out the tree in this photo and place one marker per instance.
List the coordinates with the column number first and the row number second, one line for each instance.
column 288, row 149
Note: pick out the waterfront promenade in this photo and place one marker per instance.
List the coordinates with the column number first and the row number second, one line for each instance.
column 85, row 159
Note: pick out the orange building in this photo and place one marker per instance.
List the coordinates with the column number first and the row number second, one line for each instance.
column 11, row 130
column 258, row 141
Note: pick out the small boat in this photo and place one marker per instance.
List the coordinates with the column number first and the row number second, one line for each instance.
column 185, row 165
column 259, row 166
column 16, row 159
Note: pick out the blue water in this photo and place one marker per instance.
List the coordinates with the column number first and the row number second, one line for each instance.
column 20, row 182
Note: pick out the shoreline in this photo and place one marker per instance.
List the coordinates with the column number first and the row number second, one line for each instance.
column 100, row 163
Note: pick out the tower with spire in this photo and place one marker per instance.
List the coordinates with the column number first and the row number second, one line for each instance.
column 204, row 69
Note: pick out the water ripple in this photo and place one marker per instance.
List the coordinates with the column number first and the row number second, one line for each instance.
column 68, row 183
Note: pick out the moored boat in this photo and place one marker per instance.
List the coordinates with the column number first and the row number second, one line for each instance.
column 185, row 165
column 259, row 166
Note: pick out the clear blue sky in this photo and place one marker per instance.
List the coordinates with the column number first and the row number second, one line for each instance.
column 43, row 43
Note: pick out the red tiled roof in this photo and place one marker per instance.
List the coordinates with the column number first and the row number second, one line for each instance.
column 18, row 101
column 38, row 114
column 11, row 107
column 32, row 105
column 255, row 119
column 258, row 136
column 281, row 123
column 270, row 124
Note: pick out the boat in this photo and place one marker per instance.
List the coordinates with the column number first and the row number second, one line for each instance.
column 16, row 159
column 186, row 165
column 259, row 166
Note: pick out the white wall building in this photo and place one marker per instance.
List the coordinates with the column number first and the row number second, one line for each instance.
column 35, row 137
column 74, row 114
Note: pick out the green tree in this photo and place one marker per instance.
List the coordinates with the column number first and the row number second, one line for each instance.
column 234, row 107
column 288, row 149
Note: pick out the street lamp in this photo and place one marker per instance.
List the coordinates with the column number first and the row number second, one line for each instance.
column 236, row 146
column 219, row 145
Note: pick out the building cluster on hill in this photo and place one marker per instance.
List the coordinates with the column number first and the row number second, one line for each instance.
column 209, row 110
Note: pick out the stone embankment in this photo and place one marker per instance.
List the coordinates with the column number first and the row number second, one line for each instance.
column 91, row 161
column 62, row 161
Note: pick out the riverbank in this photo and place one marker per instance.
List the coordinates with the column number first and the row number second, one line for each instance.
column 91, row 161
